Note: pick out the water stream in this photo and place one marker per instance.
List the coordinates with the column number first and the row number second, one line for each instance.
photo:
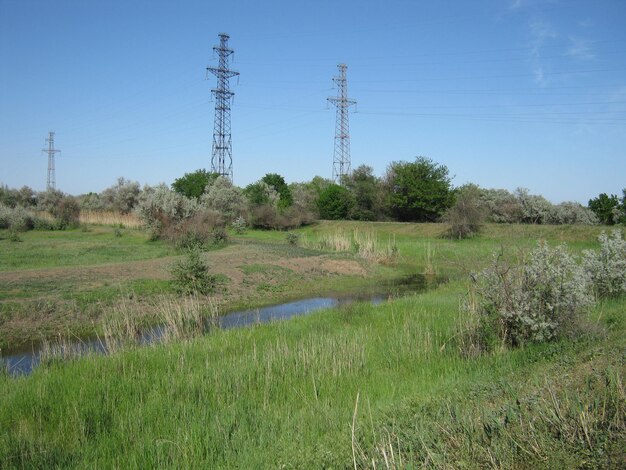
column 24, row 361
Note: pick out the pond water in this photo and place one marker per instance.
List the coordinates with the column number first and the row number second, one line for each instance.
column 23, row 362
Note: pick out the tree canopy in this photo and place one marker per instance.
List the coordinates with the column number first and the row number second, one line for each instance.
column 420, row 191
column 193, row 185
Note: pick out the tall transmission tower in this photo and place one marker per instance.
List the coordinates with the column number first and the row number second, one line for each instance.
column 341, row 156
column 51, row 182
column 222, row 155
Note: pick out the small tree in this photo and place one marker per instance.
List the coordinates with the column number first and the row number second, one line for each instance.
column 193, row 185
column 285, row 198
column 335, row 203
column 467, row 214
column 220, row 195
column 604, row 207
column 420, row 191
column 366, row 191
column 122, row 197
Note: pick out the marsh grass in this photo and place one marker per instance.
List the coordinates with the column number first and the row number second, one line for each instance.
column 112, row 219
column 192, row 317
column 61, row 349
column 177, row 319
column 365, row 244
column 362, row 386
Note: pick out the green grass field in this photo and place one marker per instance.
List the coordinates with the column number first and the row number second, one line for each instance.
column 362, row 386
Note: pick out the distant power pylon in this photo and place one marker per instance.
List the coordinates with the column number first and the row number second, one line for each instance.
column 341, row 157
column 51, row 182
column 222, row 156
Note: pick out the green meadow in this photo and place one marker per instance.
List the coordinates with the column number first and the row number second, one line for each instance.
column 360, row 386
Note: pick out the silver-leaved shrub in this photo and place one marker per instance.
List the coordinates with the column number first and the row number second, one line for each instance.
column 541, row 299
column 606, row 268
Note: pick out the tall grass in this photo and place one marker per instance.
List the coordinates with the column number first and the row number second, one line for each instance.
column 179, row 319
column 366, row 244
column 110, row 219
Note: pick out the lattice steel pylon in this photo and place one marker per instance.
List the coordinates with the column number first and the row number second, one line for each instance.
column 222, row 155
column 51, row 181
column 341, row 156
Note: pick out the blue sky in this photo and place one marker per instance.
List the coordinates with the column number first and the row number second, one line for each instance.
column 505, row 93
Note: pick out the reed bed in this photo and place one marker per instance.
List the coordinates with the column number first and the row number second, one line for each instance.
column 114, row 219
column 178, row 320
column 365, row 244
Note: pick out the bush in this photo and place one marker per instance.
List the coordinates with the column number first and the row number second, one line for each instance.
column 196, row 231
column 239, row 225
column 606, row 269
column 292, row 238
column 572, row 213
column 335, row 202
column 160, row 208
column 122, row 197
column 467, row 214
column 67, row 213
column 541, row 300
column 220, row 195
column 191, row 275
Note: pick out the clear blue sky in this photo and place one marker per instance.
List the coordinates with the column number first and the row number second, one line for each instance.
column 505, row 93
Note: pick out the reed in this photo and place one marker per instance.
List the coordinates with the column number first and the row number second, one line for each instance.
column 192, row 317
column 108, row 218
column 365, row 244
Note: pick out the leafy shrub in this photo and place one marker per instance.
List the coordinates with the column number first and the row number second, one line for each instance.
column 502, row 206
column 467, row 214
column 196, row 231
column 219, row 236
column 191, row 275
column 572, row 213
column 67, row 213
column 540, row 300
column 193, row 185
column 292, row 238
column 239, row 225
column 335, row 202
column 606, row 268
column 160, row 208
column 122, row 197
column 221, row 196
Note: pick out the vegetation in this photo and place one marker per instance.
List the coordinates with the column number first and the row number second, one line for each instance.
column 420, row 191
column 467, row 214
column 335, row 202
column 528, row 373
column 193, row 185
column 191, row 274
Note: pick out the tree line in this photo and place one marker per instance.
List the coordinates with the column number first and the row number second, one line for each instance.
column 416, row 191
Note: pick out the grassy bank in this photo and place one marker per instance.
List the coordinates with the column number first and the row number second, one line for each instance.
column 364, row 383
column 369, row 386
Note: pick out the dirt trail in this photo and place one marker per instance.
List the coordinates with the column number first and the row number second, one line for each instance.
column 227, row 261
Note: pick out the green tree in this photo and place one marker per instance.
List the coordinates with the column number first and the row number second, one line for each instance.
column 192, row 185
column 335, row 202
column 278, row 183
column 420, row 191
column 604, row 206
column 365, row 188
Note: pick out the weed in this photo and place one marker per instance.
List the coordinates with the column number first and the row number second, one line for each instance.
column 292, row 238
